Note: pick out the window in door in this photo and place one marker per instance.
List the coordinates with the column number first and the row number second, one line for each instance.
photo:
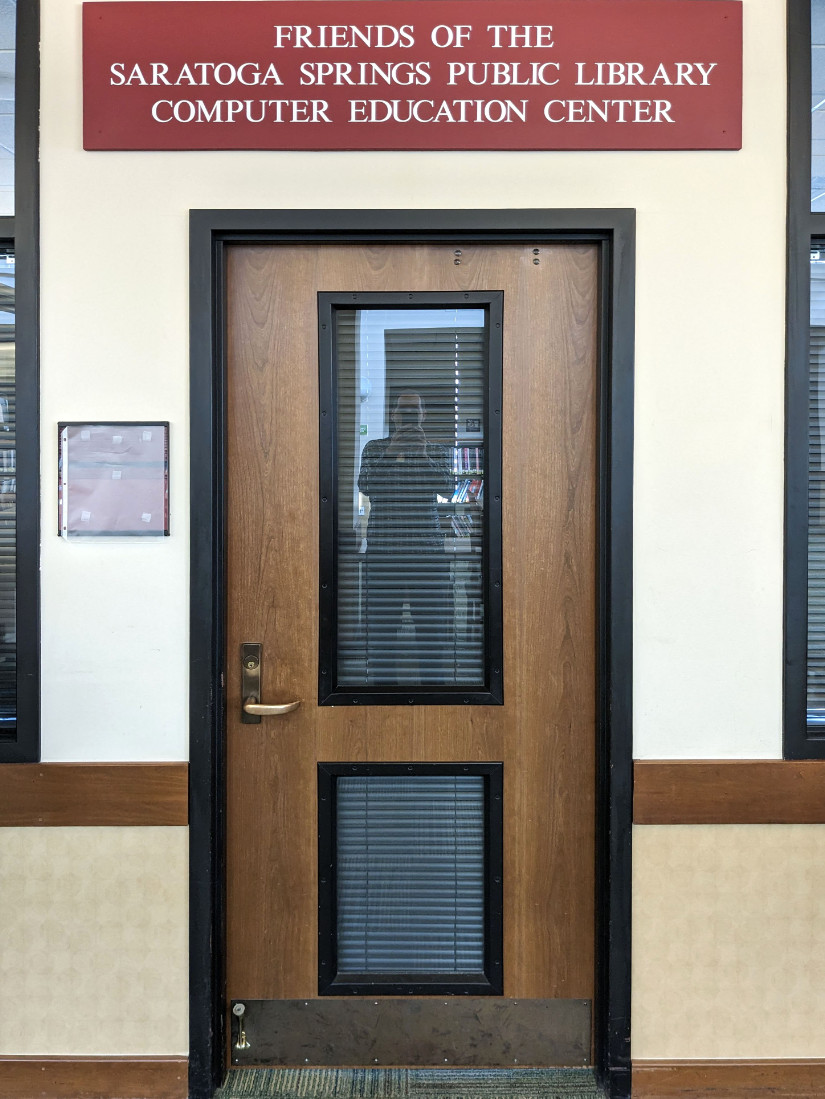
column 410, row 873
column 410, row 519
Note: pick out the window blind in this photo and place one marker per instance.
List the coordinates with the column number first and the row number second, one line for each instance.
column 410, row 875
column 8, row 497
column 410, row 447
column 816, row 529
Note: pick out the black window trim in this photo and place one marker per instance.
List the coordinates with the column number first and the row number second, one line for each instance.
column 491, row 691
column 22, row 231
column 330, row 981
column 803, row 226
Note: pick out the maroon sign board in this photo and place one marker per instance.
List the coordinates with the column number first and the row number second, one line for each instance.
column 412, row 74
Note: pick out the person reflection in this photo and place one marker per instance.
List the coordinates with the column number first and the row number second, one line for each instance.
column 405, row 561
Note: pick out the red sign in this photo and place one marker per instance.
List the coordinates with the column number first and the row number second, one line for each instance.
column 412, row 74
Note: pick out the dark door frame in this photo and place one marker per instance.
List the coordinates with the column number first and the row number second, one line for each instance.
column 210, row 232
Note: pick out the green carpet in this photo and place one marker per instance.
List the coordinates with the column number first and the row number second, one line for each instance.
column 314, row 1083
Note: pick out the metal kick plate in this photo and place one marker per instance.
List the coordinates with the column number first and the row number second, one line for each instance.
column 473, row 1031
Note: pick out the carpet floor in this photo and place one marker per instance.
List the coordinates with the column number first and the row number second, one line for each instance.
column 309, row 1083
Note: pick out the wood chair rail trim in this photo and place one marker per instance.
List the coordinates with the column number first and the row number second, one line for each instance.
column 750, row 791
column 93, row 794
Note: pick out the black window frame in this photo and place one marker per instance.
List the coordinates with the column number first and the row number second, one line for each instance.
column 491, row 983
column 800, row 741
column 330, row 692
column 22, row 232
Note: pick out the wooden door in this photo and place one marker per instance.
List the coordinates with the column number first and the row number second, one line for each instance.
column 543, row 734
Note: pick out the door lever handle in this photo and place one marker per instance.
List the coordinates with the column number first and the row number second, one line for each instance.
column 263, row 709
column 252, row 709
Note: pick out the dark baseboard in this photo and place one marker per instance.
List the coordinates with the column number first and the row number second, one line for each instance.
column 728, row 1079
column 93, row 1077
column 93, row 794
column 166, row 1078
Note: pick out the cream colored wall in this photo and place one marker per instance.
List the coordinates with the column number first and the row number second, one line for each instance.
column 727, row 921
column 94, row 957
column 709, row 377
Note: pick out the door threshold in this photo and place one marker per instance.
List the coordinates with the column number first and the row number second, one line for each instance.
column 418, row 1083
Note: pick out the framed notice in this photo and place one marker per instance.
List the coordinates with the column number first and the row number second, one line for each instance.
column 113, row 480
column 413, row 74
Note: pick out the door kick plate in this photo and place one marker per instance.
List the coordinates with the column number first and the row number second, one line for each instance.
column 433, row 1031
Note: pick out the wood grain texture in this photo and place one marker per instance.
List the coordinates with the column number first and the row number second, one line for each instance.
column 102, row 794
column 728, row 1079
column 751, row 791
column 545, row 732
column 93, row 1078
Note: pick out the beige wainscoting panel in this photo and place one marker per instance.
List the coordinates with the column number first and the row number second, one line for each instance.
column 93, row 953
column 727, row 941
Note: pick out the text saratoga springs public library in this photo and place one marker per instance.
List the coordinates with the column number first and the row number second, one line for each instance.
column 619, row 99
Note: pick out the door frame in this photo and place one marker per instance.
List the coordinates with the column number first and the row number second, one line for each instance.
column 211, row 231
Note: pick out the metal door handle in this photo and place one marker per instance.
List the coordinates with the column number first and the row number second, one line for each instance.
column 252, row 709
column 261, row 709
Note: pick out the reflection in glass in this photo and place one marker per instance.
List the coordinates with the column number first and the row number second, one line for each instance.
column 817, row 105
column 410, row 495
column 8, row 497
column 8, row 28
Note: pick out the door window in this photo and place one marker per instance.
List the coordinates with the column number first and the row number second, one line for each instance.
column 409, row 447
column 410, row 878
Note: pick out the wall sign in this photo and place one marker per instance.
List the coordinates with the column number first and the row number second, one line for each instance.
column 412, row 74
column 113, row 480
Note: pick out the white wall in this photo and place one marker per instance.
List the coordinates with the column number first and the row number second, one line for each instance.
column 709, row 385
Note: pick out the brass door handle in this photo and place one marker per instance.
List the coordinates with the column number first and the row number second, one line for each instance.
column 262, row 709
column 252, row 709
